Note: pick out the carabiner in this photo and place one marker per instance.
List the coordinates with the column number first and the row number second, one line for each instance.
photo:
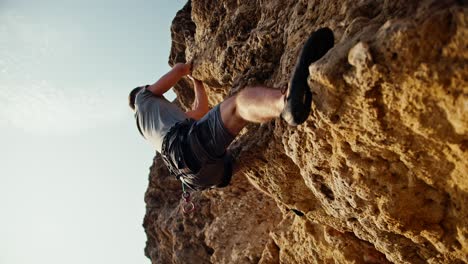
column 188, row 207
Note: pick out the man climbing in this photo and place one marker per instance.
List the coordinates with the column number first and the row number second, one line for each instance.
column 193, row 144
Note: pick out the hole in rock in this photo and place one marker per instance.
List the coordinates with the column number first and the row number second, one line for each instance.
column 335, row 119
column 327, row 192
column 209, row 250
column 181, row 228
column 297, row 212
column 464, row 145
column 394, row 56
column 457, row 244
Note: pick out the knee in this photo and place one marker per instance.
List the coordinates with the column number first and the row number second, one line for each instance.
column 230, row 108
column 238, row 110
column 231, row 115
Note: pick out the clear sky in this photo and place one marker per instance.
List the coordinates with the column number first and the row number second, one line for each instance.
column 73, row 168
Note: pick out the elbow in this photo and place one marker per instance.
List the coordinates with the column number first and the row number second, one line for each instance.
column 197, row 114
column 204, row 110
column 201, row 108
column 181, row 69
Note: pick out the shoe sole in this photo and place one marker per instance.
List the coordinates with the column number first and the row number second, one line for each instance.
column 298, row 103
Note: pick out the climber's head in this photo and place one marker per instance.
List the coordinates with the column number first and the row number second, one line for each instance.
column 132, row 96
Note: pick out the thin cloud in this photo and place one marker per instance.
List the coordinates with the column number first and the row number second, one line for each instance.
column 35, row 105
column 45, row 109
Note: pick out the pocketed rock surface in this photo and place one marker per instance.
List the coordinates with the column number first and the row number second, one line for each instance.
column 379, row 171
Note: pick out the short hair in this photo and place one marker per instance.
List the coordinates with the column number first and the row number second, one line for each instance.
column 132, row 96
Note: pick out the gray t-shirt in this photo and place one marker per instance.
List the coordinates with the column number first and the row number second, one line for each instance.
column 156, row 116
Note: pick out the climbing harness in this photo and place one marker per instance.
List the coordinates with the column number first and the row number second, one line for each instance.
column 178, row 170
column 172, row 153
column 188, row 206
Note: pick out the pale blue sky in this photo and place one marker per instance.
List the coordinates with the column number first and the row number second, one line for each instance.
column 73, row 169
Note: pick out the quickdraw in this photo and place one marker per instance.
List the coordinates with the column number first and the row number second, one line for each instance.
column 188, row 206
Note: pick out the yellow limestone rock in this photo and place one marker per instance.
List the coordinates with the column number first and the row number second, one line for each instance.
column 379, row 171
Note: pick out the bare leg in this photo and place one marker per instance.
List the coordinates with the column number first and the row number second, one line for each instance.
column 257, row 104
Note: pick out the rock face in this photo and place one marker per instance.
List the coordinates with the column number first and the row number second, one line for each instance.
column 377, row 174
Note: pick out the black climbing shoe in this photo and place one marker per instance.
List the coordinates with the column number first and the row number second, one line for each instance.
column 298, row 101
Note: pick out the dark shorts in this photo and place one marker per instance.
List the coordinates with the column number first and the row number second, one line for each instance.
column 197, row 150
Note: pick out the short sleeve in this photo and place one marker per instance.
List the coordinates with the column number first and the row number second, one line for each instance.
column 144, row 95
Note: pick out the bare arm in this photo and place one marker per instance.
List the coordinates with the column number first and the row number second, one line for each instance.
column 170, row 79
column 200, row 104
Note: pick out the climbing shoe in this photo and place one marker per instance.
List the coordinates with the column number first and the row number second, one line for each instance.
column 299, row 97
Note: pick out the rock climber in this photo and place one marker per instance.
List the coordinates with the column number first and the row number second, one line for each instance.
column 194, row 144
